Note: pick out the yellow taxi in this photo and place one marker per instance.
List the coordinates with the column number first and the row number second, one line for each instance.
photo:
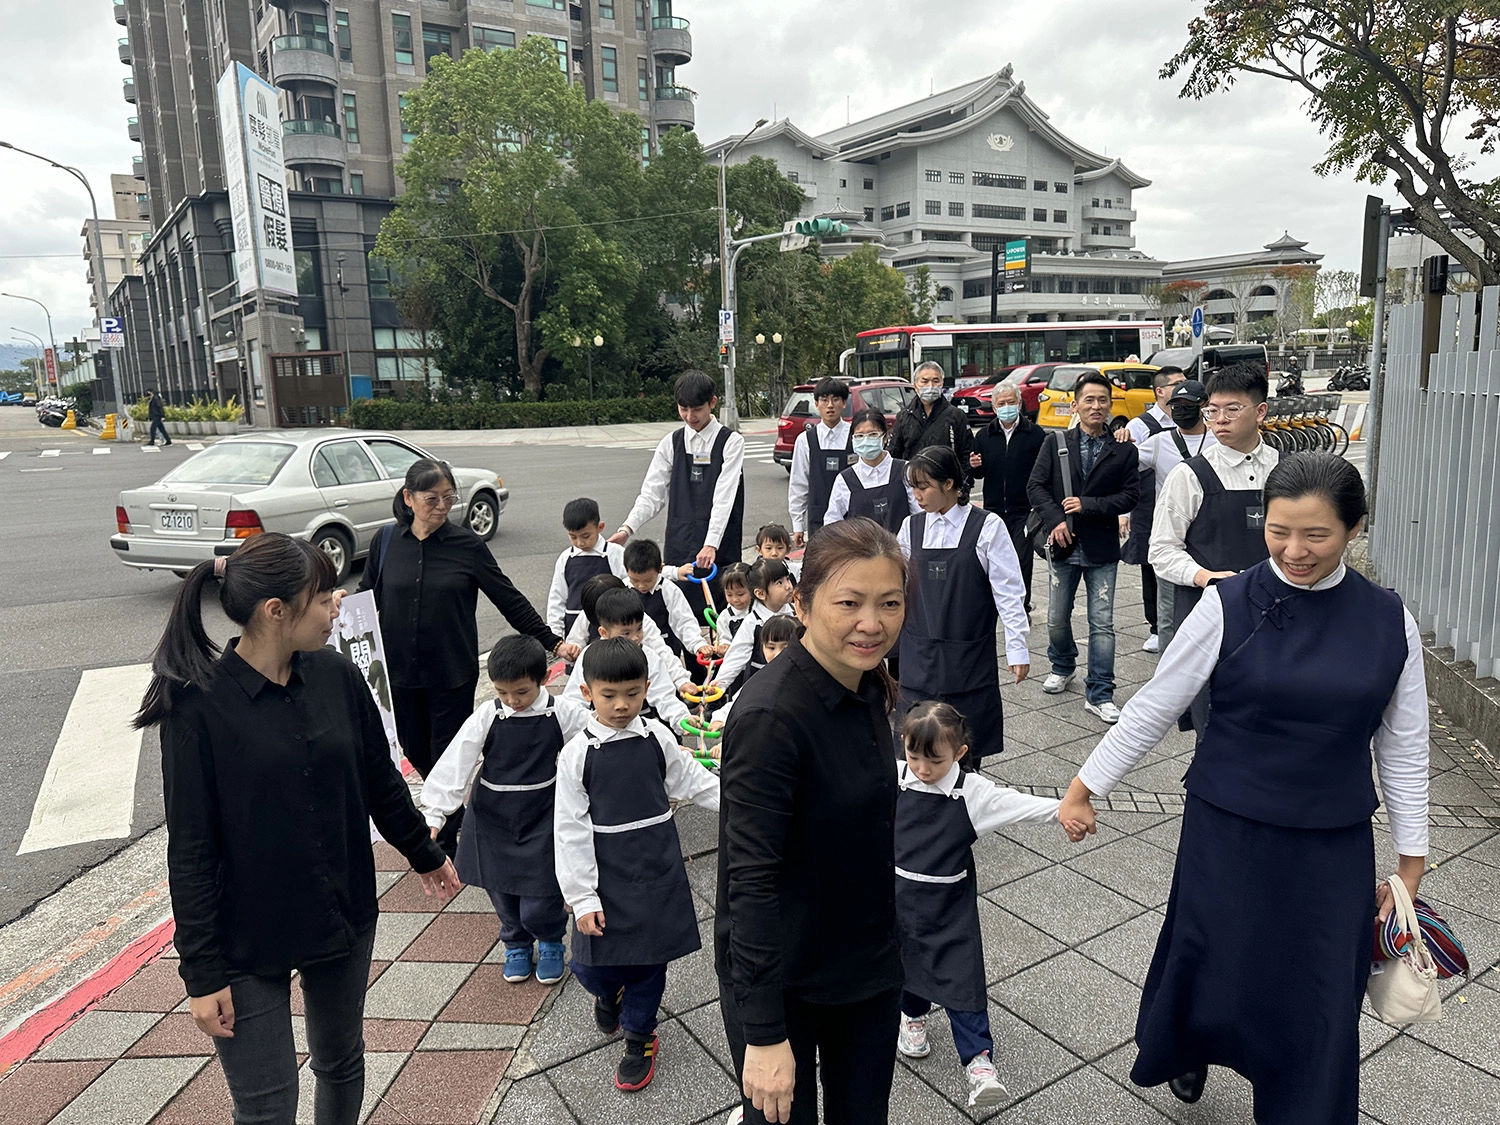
column 1133, row 393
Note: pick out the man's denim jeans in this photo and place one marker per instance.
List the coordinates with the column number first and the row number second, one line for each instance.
column 1062, row 650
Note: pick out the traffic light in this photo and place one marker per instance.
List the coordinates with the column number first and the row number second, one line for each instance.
column 820, row 228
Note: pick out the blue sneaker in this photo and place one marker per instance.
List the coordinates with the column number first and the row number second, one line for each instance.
column 549, row 962
column 517, row 964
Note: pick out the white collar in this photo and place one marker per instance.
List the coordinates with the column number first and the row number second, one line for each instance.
column 955, row 515
column 944, row 785
column 636, row 729
column 1010, row 429
column 833, row 429
column 705, row 436
column 600, row 548
column 539, row 706
column 1322, row 584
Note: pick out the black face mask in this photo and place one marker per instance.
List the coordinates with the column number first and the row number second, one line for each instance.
column 1186, row 414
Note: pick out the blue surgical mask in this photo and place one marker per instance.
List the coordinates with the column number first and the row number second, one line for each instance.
column 868, row 446
column 1008, row 413
column 929, row 394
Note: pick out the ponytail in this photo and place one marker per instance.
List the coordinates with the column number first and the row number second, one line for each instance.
column 271, row 565
column 421, row 474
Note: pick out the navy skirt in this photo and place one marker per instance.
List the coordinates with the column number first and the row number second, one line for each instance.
column 1227, row 989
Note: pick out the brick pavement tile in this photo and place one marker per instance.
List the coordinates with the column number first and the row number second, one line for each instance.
column 1475, row 886
column 568, row 1030
column 1037, row 768
column 1407, row 1075
column 385, row 880
column 414, row 990
column 98, row 1035
column 472, row 1037
column 689, row 1085
column 533, row 1101
column 1456, row 789
column 381, row 1069
column 395, row 930
column 407, row 895
column 1065, row 905
column 471, row 900
column 1055, row 845
column 442, row 1088
column 913, row 1100
column 1128, row 948
column 1139, row 870
column 691, row 980
column 698, row 829
column 998, row 860
column 707, row 1026
column 1084, row 1095
column 155, row 987
column 1070, row 999
column 36, row 1091
column 176, row 1034
column 1469, row 1030
column 1010, row 944
column 203, row 1101
column 455, row 937
column 298, row 1009
column 486, row 997
column 1163, row 776
column 1042, row 729
column 1226, row 1097
column 388, row 858
column 1373, row 1034
column 1165, row 834
column 394, row 1035
column 130, row 1092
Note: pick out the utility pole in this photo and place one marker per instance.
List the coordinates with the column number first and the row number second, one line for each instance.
column 1377, row 354
column 729, row 413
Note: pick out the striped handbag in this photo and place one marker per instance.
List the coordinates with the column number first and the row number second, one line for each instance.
column 1391, row 940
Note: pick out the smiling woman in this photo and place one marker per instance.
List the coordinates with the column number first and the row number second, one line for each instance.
column 806, row 776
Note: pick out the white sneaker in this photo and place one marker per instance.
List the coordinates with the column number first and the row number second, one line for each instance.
column 736, row 1116
column 911, row 1040
column 985, row 1089
column 1055, row 683
column 1106, row 711
column 1153, row 644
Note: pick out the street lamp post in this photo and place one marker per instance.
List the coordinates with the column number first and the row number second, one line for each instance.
column 729, row 413
column 22, row 297
column 597, row 342
column 100, row 295
column 41, row 365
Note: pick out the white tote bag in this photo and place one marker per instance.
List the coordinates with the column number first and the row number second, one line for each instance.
column 1405, row 989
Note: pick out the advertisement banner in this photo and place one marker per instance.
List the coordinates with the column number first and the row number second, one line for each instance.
column 51, row 365
column 356, row 634
column 254, row 173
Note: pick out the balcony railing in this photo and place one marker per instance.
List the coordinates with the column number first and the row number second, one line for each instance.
column 302, row 43
column 676, row 23
column 129, row 88
column 124, row 50
column 308, row 127
column 675, row 94
column 133, row 128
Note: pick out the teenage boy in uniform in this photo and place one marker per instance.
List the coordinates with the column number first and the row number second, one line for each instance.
column 822, row 451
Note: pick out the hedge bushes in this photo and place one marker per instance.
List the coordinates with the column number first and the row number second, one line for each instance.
column 391, row 414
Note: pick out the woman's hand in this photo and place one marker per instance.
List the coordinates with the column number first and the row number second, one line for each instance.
column 568, row 652
column 591, row 923
column 1077, row 812
column 1410, row 870
column 214, row 1014
column 443, row 882
column 769, row 1077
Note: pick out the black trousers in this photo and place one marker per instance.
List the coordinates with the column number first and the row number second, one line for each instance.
column 426, row 721
column 157, row 428
column 850, row 1047
column 1015, row 523
column 1148, row 593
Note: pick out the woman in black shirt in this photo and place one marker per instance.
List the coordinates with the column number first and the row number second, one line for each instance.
column 274, row 761
column 427, row 573
column 805, row 931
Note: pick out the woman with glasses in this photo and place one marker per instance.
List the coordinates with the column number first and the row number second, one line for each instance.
column 427, row 573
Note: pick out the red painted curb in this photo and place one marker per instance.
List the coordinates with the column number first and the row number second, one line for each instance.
column 58, row 1016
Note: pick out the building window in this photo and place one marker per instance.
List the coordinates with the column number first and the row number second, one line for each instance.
column 351, row 120
column 324, row 186
column 1060, row 187
column 996, row 180
column 955, row 210
column 1094, row 229
column 643, row 80
column 313, row 24
column 932, row 207
column 887, row 214
column 991, row 211
column 1059, row 216
column 561, row 47
column 606, row 9
column 1103, row 285
column 407, row 136
column 265, row 65
column 1039, row 214
column 555, row 5
column 1130, row 285
column 1065, row 285
column 869, row 214
column 640, row 15
column 493, row 39
column 1038, row 185
column 356, row 183
column 436, row 41
column 869, row 185
column 987, row 243
column 976, row 287
column 645, row 144
column 1107, row 230
column 609, row 70
column 794, row 177
column 401, row 37
column 955, row 177
column 342, row 37
column 903, row 210
column 934, row 176
column 843, row 183
column 377, row 276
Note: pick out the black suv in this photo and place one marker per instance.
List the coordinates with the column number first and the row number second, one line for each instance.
column 1214, row 357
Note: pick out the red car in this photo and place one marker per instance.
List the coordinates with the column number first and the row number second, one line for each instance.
column 973, row 396
column 887, row 395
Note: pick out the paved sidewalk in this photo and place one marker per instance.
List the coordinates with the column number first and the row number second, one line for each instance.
column 1068, row 935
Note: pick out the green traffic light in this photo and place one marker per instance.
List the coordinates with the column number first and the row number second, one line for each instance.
column 820, row 228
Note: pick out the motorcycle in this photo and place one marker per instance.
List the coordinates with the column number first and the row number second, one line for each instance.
column 1289, row 384
column 53, row 412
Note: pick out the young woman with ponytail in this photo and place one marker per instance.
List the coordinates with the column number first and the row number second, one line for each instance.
column 274, row 761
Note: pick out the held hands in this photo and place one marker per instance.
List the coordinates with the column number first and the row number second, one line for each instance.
column 1072, row 505
column 1020, row 671
column 591, row 923
column 568, row 652
column 1204, row 577
column 769, row 1076
column 1076, row 812
column 976, row 461
column 799, row 539
column 443, row 882
column 1124, row 528
column 214, row 1014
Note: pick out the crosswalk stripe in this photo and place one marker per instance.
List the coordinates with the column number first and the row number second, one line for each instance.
column 195, row 446
column 4, row 455
column 88, row 792
column 51, row 453
column 101, row 452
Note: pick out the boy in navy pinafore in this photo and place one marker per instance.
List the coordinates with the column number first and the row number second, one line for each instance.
column 619, row 860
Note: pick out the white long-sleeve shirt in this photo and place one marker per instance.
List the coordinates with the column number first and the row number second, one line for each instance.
column 1137, row 426
column 651, row 640
column 685, row 627
column 448, row 783
column 1160, row 454
column 997, row 555
column 661, row 689
column 797, row 488
column 877, row 475
column 573, row 827
column 1400, row 745
column 1180, row 496
column 655, row 487
column 742, row 648
column 990, row 806
column 557, row 595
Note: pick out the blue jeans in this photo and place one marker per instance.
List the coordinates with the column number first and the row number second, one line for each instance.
column 971, row 1030
column 1062, row 650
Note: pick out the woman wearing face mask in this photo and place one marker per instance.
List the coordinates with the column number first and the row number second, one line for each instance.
column 930, row 419
column 874, row 486
column 1004, row 452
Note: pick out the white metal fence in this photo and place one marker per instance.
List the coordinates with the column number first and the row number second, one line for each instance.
column 1436, row 536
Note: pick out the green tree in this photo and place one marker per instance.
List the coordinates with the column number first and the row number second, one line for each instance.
column 1395, row 87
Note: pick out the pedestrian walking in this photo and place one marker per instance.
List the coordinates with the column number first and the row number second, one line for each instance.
column 1135, row 528
column 587, row 555
column 930, row 419
column 1079, row 502
column 964, row 580
column 274, row 763
column 427, row 573
column 875, row 485
column 1003, row 455
column 156, row 413
column 1312, row 670
column 806, row 949
column 822, row 451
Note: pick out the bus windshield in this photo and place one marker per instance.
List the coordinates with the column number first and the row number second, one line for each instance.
column 970, row 354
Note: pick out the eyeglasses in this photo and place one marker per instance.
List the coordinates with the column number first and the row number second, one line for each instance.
column 1229, row 413
column 446, row 500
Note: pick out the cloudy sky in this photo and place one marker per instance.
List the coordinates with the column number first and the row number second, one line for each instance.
column 1230, row 173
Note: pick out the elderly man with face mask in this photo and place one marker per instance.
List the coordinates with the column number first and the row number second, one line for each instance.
column 1004, row 452
column 929, row 419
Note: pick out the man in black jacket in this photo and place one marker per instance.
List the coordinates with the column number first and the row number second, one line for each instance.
column 1085, row 539
column 156, row 414
column 1003, row 456
column 929, row 419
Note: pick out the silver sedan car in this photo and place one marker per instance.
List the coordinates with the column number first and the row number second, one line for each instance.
column 331, row 487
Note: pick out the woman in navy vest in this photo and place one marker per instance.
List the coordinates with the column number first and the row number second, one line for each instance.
column 1263, row 957
column 875, row 485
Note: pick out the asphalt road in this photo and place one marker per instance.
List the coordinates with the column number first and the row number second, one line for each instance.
column 67, row 605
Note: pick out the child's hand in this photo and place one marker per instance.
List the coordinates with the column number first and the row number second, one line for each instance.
column 717, row 724
column 705, row 650
column 1076, row 812
column 568, row 652
column 684, row 572
column 434, row 832
column 720, row 650
column 591, row 923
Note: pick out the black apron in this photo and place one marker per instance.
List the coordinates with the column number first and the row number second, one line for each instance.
column 506, row 841
column 948, row 640
column 937, row 899
column 1133, row 550
column 887, row 504
column 757, row 661
column 690, row 505
column 576, row 572
column 655, row 606
column 823, row 468
column 648, row 907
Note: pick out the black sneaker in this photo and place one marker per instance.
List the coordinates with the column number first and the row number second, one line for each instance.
column 1189, row 1087
column 638, row 1064
column 607, row 1012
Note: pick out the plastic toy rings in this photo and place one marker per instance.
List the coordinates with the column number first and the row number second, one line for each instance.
column 711, row 616
column 688, row 727
column 698, row 694
column 713, row 572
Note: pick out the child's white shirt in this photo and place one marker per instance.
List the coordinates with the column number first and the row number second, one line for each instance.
column 742, row 648
column 557, row 595
column 651, row 640
column 685, row 627
column 990, row 806
column 447, row 784
column 573, row 827
column 661, row 692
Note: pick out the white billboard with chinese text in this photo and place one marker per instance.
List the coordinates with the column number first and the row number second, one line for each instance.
column 254, row 172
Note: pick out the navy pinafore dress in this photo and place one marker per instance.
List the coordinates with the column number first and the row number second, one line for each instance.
column 823, row 468
column 886, row 504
